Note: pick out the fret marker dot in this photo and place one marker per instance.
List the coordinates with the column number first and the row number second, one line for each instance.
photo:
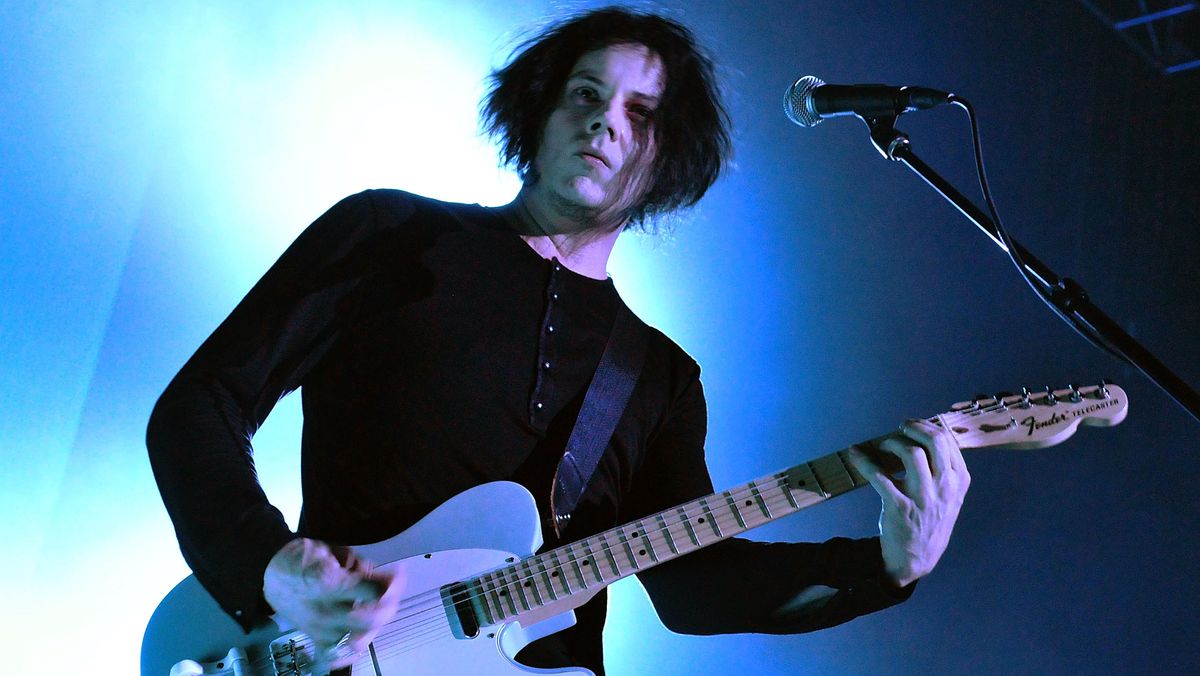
column 503, row 592
column 700, row 520
column 749, row 502
column 586, row 562
column 554, row 574
column 634, row 534
column 528, row 584
column 641, row 552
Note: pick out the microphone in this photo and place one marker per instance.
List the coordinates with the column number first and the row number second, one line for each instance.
column 809, row 100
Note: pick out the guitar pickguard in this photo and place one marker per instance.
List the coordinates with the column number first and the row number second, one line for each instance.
column 478, row 530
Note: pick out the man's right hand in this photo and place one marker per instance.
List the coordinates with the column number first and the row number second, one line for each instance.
column 328, row 593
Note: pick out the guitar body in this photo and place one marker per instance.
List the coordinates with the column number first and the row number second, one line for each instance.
column 479, row 530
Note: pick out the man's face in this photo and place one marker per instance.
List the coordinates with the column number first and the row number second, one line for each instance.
column 598, row 143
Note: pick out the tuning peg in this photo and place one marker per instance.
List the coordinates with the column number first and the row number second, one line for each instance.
column 1102, row 392
column 1076, row 397
column 983, row 401
column 1025, row 398
column 999, row 397
column 1050, row 398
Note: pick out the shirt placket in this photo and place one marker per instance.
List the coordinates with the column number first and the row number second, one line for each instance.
column 549, row 336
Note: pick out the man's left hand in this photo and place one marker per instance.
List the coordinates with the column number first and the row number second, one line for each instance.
column 919, row 508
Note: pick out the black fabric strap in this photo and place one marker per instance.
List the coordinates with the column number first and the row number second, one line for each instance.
column 605, row 401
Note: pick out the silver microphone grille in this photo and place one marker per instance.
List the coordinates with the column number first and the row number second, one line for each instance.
column 797, row 101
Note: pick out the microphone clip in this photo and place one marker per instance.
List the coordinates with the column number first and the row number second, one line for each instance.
column 885, row 137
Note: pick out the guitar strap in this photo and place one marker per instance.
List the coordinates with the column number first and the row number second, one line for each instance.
column 605, row 401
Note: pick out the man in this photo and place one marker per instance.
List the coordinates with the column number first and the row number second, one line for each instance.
column 444, row 345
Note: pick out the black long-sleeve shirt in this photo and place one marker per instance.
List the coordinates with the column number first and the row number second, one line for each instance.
column 438, row 351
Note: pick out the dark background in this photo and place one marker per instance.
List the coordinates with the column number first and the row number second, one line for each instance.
column 154, row 159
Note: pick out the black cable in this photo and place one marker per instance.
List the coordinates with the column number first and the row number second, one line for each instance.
column 1042, row 291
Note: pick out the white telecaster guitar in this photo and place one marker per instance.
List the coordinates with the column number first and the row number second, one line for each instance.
column 477, row 594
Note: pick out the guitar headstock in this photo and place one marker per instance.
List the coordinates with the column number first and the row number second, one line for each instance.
column 1034, row 419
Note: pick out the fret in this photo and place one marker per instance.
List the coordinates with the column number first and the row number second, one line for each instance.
column 541, row 564
column 628, row 550
column 848, row 469
column 612, row 559
column 687, row 522
column 530, row 576
column 835, row 474
column 712, row 521
column 787, row 490
column 646, row 541
column 492, row 598
column 575, row 566
column 594, row 562
column 559, row 573
column 677, row 527
column 476, row 592
column 504, row 594
column 737, row 514
column 752, row 509
column 519, row 584
column 762, row 503
column 812, row 471
column 666, row 531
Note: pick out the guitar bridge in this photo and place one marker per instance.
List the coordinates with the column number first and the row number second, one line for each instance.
column 292, row 654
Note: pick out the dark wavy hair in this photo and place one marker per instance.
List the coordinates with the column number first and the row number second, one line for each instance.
column 691, row 128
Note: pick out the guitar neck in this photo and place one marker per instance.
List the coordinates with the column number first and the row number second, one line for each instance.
column 570, row 575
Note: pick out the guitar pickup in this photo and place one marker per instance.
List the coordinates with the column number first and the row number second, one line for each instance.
column 456, row 598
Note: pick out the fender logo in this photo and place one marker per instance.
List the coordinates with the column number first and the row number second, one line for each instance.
column 1032, row 424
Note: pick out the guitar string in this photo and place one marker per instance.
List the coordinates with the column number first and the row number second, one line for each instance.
column 411, row 635
column 498, row 584
column 389, row 639
column 429, row 625
column 406, row 639
column 655, row 535
column 609, row 549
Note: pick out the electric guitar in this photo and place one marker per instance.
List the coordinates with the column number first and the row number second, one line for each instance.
column 476, row 594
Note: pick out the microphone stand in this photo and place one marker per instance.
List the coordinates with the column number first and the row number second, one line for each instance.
column 1066, row 294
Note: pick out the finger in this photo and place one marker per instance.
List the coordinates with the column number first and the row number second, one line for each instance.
column 332, row 656
column 355, row 588
column 935, row 440
column 320, row 567
column 328, row 630
column 918, row 481
column 956, row 456
column 880, row 481
column 370, row 616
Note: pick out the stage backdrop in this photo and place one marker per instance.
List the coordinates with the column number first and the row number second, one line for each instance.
column 155, row 158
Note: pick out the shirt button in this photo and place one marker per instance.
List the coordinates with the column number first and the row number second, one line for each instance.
column 538, row 405
column 550, row 328
column 546, row 365
column 554, row 296
column 557, row 267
